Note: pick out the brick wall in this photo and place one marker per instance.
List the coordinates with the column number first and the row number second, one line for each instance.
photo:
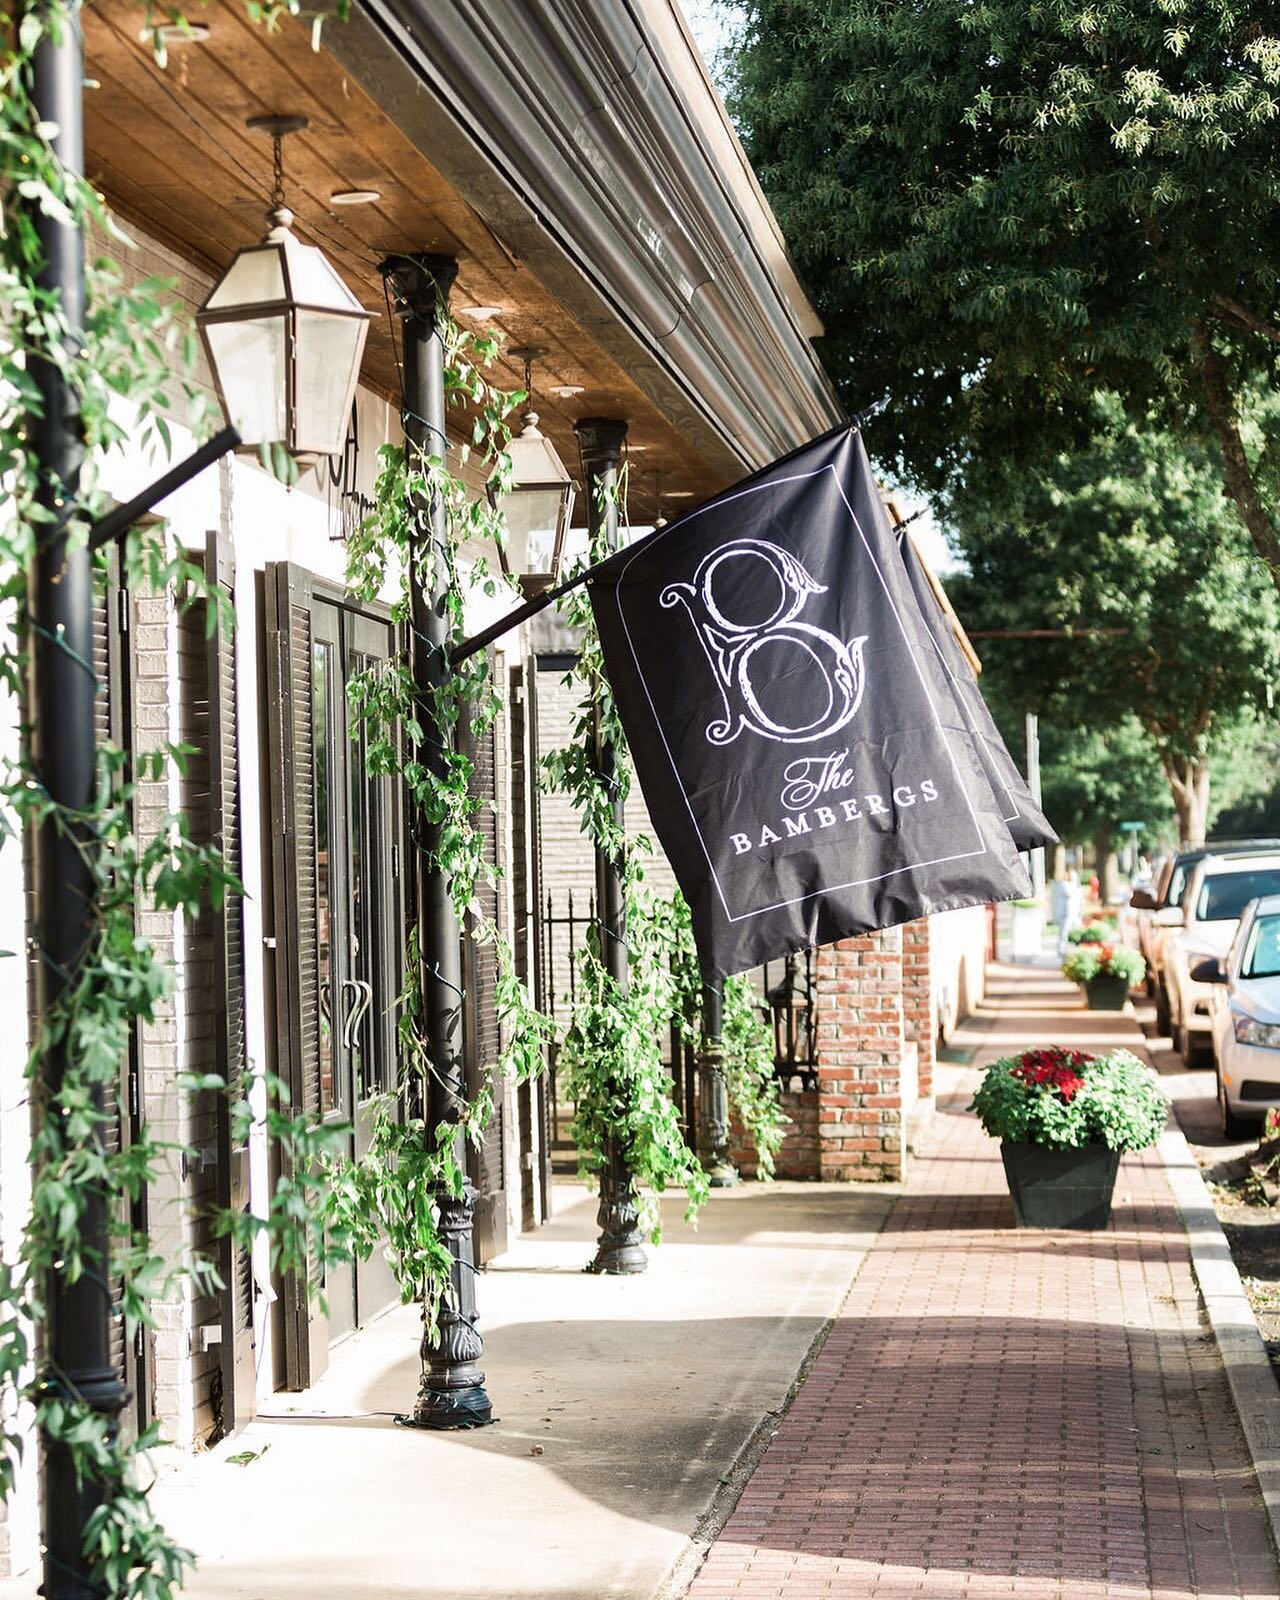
column 919, row 1001
column 798, row 1157
column 860, row 1049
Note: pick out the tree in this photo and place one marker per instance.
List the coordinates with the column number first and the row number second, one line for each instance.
column 1001, row 206
column 1129, row 547
column 1092, row 782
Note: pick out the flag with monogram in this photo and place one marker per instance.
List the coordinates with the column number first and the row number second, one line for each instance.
column 805, row 764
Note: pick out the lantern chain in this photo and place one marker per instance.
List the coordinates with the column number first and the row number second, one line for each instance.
column 277, row 172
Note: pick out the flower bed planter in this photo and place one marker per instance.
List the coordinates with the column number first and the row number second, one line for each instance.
column 1063, row 1118
column 1106, row 993
column 1060, row 1188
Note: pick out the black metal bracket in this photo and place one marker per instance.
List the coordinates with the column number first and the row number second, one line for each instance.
column 118, row 522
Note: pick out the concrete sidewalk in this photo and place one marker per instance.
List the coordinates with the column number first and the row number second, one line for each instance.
column 624, row 1404
column 1002, row 1412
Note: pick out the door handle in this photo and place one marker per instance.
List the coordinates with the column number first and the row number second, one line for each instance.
column 363, row 1001
column 349, row 983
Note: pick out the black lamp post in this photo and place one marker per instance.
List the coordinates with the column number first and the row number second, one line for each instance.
column 76, row 1360
column 620, row 1247
column 451, row 1393
column 713, row 1092
column 76, row 1353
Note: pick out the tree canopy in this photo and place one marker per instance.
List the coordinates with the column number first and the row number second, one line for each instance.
column 1000, row 207
column 1128, row 547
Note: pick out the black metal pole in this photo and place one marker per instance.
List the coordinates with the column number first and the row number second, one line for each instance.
column 620, row 1247
column 60, row 719
column 119, row 521
column 452, row 1393
column 713, row 1091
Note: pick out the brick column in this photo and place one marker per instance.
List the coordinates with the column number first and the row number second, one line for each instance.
column 860, row 1043
column 919, row 1004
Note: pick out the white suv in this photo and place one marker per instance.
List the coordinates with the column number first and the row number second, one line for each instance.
column 1219, row 889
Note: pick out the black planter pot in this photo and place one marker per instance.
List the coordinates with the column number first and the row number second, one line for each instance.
column 1060, row 1188
column 1106, row 993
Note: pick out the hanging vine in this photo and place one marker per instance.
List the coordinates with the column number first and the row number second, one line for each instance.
column 610, row 1061
column 134, row 344
column 392, row 1192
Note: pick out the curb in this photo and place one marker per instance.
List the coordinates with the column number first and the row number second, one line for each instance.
column 1235, row 1328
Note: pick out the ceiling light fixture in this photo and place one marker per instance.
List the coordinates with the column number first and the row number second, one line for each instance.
column 283, row 333
column 539, row 503
column 355, row 197
column 566, row 391
column 480, row 313
column 181, row 32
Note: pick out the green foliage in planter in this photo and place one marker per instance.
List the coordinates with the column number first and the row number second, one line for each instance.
column 1066, row 1099
column 1095, row 933
column 1089, row 961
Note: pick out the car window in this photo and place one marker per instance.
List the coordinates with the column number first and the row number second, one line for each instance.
column 1177, row 886
column 1262, row 949
column 1223, row 897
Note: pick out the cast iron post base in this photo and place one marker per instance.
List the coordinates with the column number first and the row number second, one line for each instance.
column 620, row 1247
column 713, row 1119
column 452, row 1392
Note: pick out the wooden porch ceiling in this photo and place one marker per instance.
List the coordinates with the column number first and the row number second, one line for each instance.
column 170, row 150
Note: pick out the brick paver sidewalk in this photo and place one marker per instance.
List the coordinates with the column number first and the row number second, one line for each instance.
column 1003, row 1412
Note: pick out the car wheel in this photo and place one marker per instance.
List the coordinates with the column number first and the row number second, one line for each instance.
column 1233, row 1125
column 1162, row 1008
column 1195, row 1052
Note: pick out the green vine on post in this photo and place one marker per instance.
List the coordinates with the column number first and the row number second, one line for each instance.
column 392, row 1190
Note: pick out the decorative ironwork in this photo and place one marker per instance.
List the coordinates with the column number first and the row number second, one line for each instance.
column 348, row 506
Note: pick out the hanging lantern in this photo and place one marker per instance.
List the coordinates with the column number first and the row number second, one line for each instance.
column 284, row 335
column 539, row 503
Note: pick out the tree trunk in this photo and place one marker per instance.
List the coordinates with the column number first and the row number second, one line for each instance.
column 1104, row 862
column 1189, row 786
column 1237, row 474
column 1108, row 876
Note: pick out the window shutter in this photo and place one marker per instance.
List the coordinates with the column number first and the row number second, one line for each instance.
column 291, row 759
column 236, row 1372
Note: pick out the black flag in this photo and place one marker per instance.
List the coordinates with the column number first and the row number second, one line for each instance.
column 1026, row 822
column 805, row 765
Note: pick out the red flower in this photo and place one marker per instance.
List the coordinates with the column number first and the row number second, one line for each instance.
column 1054, row 1068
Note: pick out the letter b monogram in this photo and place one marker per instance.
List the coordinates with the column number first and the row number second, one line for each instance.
column 745, row 653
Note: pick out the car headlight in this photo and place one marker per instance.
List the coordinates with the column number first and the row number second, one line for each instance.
column 1248, row 1030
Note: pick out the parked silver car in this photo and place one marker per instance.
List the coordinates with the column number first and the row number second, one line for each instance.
column 1245, row 1006
column 1218, row 890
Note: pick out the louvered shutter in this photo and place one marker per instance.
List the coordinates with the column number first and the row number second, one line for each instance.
column 238, row 1385
column 291, row 768
column 482, row 1041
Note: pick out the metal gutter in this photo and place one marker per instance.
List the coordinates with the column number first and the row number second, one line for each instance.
column 564, row 125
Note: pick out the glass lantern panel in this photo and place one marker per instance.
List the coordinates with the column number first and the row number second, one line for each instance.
column 534, row 460
column 313, row 280
column 327, row 353
column 533, row 515
column 249, row 359
column 254, row 278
